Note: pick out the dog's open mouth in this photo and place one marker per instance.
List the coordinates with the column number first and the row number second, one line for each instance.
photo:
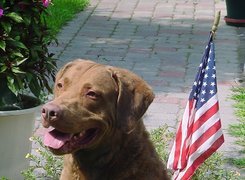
column 65, row 141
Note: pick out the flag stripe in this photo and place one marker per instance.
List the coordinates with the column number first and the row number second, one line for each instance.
column 185, row 142
column 209, row 113
column 188, row 173
column 201, row 120
column 178, row 144
column 205, row 127
column 206, row 106
column 205, row 136
column 179, row 141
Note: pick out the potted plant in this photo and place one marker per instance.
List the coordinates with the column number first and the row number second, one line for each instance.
column 235, row 12
column 26, row 70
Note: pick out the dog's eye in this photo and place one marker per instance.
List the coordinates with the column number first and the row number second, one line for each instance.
column 59, row 85
column 92, row 94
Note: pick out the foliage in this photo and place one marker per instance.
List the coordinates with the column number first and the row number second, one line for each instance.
column 62, row 11
column 212, row 168
column 238, row 130
column 25, row 64
column 3, row 178
column 238, row 162
column 44, row 164
column 161, row 138
column 239, row 97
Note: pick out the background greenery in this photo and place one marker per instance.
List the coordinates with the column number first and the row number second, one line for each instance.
column 26, row 66
column 61, row 11
column 238, row 130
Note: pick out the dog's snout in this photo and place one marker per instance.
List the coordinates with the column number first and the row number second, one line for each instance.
column 51, row 112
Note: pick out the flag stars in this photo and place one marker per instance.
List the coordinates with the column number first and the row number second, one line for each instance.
column 213, row 75
column 202, row 100
column 212, row 84
column 203, row 92
column 195, row 83
column 205, row 76
column 211, row 92
column 204, row 84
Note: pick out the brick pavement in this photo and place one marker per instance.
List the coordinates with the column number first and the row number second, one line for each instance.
column 163, row 42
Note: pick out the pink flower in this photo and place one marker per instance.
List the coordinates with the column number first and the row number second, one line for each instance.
column 46, row 3
column 1, row 12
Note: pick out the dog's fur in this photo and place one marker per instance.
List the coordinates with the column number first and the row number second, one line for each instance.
column 106, row 104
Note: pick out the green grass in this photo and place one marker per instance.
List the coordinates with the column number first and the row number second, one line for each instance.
column 61, row 11
column 238, row 130
column 238, row 162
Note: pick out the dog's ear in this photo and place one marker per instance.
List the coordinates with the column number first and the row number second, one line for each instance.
column 134, row 97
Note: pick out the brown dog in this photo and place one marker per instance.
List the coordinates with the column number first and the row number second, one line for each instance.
column 95, row 120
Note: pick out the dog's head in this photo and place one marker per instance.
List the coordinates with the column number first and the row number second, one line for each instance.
column 91, row 101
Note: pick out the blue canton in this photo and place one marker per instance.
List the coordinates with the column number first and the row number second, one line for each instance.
column 204, row 86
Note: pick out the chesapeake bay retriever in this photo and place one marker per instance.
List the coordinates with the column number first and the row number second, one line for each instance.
column 95, row 121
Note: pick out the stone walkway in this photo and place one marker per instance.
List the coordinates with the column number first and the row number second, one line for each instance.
column 162, row 41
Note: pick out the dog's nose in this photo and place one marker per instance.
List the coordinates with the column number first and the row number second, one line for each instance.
column 51, row 112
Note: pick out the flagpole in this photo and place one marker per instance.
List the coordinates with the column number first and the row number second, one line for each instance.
column 215, row 24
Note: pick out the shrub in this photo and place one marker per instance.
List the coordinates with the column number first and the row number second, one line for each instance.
column 43, row 164
column 25, row 64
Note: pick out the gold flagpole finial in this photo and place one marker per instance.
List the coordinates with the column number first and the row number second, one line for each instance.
column 216, row 23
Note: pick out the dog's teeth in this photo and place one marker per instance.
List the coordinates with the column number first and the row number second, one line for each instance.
column 50, row 128
column 82, row 133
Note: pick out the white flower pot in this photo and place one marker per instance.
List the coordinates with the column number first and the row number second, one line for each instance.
column 16, row 127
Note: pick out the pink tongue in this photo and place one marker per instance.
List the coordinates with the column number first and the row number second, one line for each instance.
column 56, row 139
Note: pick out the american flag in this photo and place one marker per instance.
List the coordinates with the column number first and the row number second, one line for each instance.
column 199, row 133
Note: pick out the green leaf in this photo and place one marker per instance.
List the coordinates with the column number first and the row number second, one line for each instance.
column 27, row 20
column 17, row 70
column 11, row 85
column 3, row 68
column 14, row 16
column 17, row 44
column 17, row 38
column 18, row 54
column 6, row 26
column 29, row 76
column 3, row 45
column 20, row 62
column 35, row 87
column 33, row 54
column 19, row 80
